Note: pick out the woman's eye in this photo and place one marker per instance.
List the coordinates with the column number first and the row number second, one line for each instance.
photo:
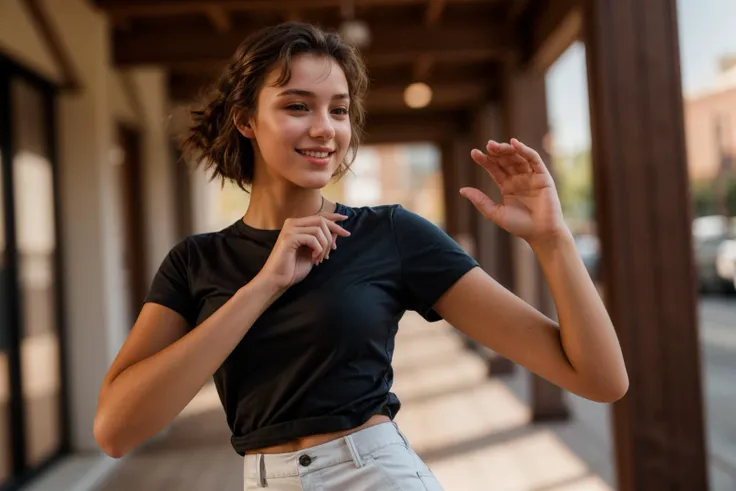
column 296, row 107
column 341, row 110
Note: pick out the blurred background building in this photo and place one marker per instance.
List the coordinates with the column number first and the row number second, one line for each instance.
column 93, row 194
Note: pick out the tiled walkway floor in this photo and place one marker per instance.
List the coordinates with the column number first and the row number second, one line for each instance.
column 472, row 431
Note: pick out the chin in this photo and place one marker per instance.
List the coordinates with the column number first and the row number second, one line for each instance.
column 312, row 180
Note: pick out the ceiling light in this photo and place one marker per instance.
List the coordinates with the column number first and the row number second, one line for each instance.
column 417, row 95
column 355, row 32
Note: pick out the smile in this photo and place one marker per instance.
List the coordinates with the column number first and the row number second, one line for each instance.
column 315, row 154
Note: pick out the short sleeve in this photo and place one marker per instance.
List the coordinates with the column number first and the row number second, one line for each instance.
column 431, row 261
column 170, row 286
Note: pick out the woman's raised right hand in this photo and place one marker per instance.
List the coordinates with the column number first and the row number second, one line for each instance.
column 302, row 244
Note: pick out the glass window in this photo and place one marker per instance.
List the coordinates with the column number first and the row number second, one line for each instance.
column 37, row 276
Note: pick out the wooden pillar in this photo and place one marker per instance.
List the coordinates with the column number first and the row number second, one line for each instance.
column 644, row 222
column 525, row 118
column 495, row 247
column 457, row 171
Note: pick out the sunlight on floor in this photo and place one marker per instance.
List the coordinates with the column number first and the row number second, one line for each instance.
column 471, row 430
column 207, row 400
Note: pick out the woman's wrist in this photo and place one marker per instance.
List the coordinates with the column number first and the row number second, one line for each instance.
column 262, row 288
column 552, row 242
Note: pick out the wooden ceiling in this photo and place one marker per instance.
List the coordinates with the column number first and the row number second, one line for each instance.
column 458, row 47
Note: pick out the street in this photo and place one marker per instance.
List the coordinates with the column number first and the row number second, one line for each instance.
column 718, row 344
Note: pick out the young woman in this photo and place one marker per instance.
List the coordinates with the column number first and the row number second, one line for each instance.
column 294, row 308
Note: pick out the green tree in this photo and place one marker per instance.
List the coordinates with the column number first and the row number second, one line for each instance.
column 574, row 179
column 705, row 197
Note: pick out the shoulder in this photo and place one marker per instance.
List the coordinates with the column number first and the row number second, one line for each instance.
column 388, row 212
column 190, row 247
column 362, row 212
column 393, row 218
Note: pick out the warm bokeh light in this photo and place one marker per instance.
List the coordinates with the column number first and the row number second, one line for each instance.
column 417, row 95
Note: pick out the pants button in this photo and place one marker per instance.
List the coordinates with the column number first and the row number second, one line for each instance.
column 305, row 460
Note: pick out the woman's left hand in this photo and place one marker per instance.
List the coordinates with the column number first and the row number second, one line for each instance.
column 530, row 207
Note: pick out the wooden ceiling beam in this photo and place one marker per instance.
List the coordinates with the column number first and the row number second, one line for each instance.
column 219, row 18
column 185, row 87
column 156, row 8
column 171, row 45
column 551, row 28
column 43, row 21
column 517, row 9
column 422, row 67
column 293, row 15
column 391, row 98
column 434, row 12
column 417, row 126
column 423, row 63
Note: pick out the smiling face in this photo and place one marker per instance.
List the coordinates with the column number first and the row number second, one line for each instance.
column 301, row 130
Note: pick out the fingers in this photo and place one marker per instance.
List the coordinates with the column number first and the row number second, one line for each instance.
column 309, row 240
column 328, row 219
column 497, row 173
column 530, row 155
column 324, row 230
column 512, row 158
column 336, row 229
column 335, row 217
column 324, row 242
column 329, row 238
column 482, row 203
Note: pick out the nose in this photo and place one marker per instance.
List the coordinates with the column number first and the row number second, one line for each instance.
column 322, row 127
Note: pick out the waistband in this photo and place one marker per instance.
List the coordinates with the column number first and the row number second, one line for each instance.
column 350, row 447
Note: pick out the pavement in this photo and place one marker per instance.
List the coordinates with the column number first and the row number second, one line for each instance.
column 472, row 431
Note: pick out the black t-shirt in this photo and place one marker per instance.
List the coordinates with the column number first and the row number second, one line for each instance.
column 318, row 359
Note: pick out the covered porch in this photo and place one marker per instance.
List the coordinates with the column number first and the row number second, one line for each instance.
column 485, row 63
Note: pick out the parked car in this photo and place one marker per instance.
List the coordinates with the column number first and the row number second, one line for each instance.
column 726, row 260
column 588, row 247
column 714, row 247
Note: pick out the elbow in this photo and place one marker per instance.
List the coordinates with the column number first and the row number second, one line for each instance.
column 613, row 391
column 106, row 438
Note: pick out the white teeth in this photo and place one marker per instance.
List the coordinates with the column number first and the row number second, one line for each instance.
column 319, row 155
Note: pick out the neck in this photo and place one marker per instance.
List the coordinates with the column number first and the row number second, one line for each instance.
column 270, row 206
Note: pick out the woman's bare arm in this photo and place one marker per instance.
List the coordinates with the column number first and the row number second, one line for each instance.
column 581, row 355
column 161, row 367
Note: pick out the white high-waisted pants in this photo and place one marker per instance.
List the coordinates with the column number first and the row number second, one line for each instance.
column 377, row 458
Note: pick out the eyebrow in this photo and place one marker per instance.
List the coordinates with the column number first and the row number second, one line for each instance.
column 306, row 93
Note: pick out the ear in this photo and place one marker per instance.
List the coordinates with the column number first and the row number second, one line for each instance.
column 243, row 126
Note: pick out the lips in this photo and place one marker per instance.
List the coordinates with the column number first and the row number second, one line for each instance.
column 318, row 154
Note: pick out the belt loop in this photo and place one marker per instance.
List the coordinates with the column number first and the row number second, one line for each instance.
column 261, row 471
column 353, row 451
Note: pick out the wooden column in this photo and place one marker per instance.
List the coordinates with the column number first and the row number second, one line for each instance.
column 495, row 247
column 644, row 222
column 525, row 118
column 457, row 171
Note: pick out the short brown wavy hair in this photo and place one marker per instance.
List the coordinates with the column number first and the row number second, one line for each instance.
column 214, row 141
